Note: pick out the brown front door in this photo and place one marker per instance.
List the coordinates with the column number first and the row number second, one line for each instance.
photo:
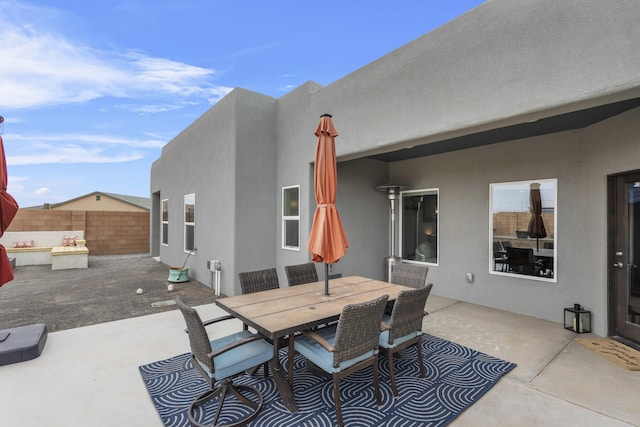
column 624, row 255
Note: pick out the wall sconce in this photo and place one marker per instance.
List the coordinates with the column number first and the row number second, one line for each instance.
column 577, row 319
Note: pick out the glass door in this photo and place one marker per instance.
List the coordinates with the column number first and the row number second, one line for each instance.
column 625, row 257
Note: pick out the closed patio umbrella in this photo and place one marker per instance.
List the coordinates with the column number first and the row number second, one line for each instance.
column 536, row 228
column 8, row 209
column 327, row 240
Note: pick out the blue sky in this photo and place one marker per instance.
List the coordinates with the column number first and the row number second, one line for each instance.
column 92, row 90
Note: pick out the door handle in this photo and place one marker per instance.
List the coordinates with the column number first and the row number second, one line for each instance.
column 618, row 265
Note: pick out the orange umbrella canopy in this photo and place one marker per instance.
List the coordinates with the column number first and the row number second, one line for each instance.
column 8, row 209
column 327, row 240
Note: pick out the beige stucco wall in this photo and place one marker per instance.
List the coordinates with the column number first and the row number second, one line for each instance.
column 105, row 203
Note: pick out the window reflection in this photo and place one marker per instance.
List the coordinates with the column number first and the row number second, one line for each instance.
column 523, row 228
column 419, row 225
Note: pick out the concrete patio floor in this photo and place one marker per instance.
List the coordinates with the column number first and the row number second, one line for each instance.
column 89, row 375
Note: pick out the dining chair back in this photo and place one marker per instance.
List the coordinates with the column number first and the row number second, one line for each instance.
column 344, row 348
column 259, row 280
column 301, row 273
column 409, row 274
column 219, row 361
column 522, row 261
column 403, row 328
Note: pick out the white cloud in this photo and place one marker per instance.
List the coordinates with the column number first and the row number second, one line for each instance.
column 70, row 154
column 57, row 140
column 41, row 67
column 41, row 191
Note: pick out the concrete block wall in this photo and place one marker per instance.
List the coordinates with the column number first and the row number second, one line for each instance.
column 105, row 232
column 117, row 232
column 506, row 223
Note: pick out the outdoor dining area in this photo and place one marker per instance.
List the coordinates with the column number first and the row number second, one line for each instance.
column 340, row 333
column 312, row 330
column 338, row 325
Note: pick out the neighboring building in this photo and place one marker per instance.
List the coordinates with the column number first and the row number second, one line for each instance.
column 467, row 117
column 99, row 201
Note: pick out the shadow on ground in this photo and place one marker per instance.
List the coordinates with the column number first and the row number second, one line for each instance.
column 106, row 291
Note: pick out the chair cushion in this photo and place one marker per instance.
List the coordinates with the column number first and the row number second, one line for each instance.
column 240, row 358
column 320, row 357
column 384, row 335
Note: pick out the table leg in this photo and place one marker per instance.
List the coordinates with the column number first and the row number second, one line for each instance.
column 281, row 380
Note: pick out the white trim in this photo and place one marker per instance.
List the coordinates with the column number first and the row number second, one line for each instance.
column 525, row 184
column 163, row 222
column 289, row 218
column 399, row 213
column 186, row 223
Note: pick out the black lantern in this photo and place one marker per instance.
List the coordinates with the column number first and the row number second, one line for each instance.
column 577, row 319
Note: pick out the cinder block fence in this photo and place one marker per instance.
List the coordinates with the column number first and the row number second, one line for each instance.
column 105, row 232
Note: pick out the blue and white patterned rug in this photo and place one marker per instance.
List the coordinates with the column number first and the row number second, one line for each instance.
column 456, row 378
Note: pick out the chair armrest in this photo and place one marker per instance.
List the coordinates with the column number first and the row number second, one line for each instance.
column 317, row 338
column 232, row 345
column 216, row 320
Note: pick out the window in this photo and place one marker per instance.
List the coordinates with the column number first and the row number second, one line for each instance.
column 291, row 217
column 189, row 222
column 164, row 231
column 523, row 224
column 419, row 225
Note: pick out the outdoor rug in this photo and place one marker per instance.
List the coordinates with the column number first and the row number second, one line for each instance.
column 456, row 377
column 614, row 351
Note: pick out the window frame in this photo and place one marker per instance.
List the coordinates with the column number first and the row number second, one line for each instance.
column 434, row 229
column 189, row 198
column 551, row 228
column 290, row 218
column 164, row 222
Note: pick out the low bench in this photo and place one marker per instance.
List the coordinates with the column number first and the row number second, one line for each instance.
column 45, row 249
column 37, row 255
column 66, row 257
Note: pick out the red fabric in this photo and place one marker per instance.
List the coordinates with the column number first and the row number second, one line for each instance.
column 8, row 210
column 6, row 272
column 327, row 240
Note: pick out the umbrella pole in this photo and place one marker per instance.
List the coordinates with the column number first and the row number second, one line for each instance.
column 326, row 278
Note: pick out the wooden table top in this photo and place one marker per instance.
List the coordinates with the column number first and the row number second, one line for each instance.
column 278, row 312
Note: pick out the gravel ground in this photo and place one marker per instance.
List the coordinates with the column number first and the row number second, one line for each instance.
column 106, row 291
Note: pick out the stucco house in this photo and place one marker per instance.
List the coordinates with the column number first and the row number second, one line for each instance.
column 101, row 201
column 463, row 122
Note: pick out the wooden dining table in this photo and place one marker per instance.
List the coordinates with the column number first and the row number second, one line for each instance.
column 277, row 313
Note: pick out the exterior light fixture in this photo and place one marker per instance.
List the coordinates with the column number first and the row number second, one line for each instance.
column 577, row 319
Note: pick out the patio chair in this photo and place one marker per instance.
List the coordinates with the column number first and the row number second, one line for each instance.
column 219, row 361
column 408, row 274
column 499, row 257
column 522, row 261
column 259, row 280
column 403, row 328
column 301, row 273
column 344, row 348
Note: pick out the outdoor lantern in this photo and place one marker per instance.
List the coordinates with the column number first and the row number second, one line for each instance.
column 577, row 319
